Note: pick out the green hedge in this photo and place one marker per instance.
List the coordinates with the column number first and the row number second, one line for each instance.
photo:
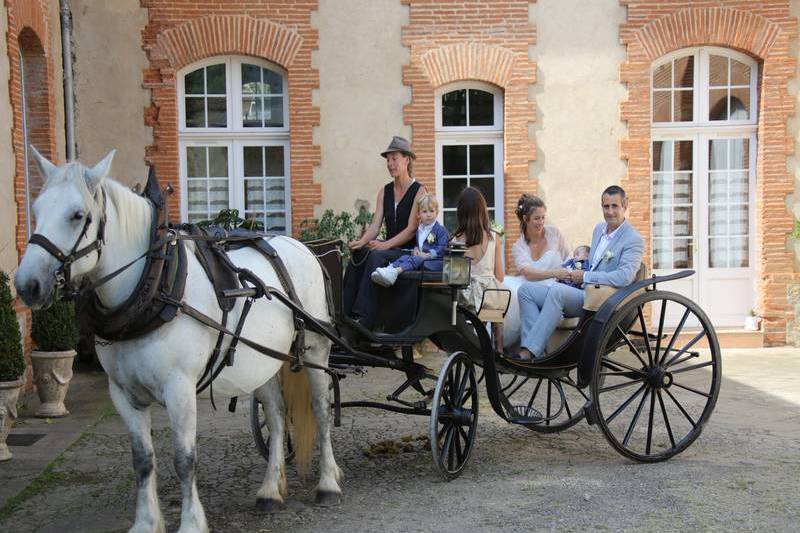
column 54, row 329
column 12, row 364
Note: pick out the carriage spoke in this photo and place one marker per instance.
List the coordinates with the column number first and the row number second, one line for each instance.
column 607, row 361
column 620, row 385
column 633, row 348
column 549, row 396
column 691, row 389
column 566, row 407
column 692, row 367
column 513, row 380
column 462, row 386
column 523, row 382
column 650, row 421
column 635, row 420
column 642, row 321
column 458, row 448
column 685, row 349
column 691, row 355
column 677, row 403
column 675, row 334
column 666, row 418
column 447, row 445
column 625, row 404
column 660, row 329
column 572, row 383
column 469, row 394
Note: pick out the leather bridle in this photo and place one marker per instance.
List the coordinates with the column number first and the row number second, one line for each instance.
column 63, row 274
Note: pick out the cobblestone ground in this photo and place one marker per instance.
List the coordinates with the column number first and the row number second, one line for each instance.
column 742, row 474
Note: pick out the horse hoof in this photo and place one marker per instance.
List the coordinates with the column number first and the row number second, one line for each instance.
column 328, row 499
column 268, row 505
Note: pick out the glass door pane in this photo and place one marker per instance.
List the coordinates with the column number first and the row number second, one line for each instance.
column 467, row 165
column 728, row 203
column 673, row 204
column 207, row 181
column 265, row 187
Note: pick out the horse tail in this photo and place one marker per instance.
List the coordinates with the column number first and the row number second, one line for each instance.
column 297, row 397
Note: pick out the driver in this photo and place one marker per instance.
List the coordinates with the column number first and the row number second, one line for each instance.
column 616, row 254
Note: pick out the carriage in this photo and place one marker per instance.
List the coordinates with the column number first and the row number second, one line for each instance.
column 642, row 363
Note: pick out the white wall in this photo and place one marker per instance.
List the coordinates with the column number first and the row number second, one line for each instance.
column 577, row 95
column 361, row 96
column 110, row 100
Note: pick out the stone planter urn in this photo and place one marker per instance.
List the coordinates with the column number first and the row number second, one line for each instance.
column 9, row 393
column 52, row 372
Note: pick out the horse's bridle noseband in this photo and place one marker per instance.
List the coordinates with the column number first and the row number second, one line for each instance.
column 63, row 274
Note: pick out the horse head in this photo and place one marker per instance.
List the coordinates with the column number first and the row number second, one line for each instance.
column 70, row 215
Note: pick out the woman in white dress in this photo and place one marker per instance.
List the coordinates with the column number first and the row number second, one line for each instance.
column 538, row 255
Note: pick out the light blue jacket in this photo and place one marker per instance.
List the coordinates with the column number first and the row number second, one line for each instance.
column 622, row 258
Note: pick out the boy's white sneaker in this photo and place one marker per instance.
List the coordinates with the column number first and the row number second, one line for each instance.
column 385, row 276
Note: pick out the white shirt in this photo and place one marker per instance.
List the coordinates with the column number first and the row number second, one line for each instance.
column 605, row 242
column 422, row 233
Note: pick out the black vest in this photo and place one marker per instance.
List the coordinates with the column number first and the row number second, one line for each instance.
column 397, row 221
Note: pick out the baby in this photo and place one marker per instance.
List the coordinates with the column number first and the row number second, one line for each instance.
column 578, row 261
column 432, row 239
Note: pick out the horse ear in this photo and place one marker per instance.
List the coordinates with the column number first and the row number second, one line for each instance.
column 45, row 166
column 98, row 173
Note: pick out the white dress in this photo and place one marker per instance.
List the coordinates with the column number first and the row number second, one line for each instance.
column 482, row 278
column 555, row 254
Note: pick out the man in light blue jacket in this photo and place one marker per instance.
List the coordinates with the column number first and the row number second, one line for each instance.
column 615, row 259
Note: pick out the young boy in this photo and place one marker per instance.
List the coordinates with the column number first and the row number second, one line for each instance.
column 578, row 261
column 432, row 239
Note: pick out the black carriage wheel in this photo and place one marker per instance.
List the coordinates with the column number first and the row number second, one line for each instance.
column 454, row 415
column 653, row 389
column 260, row 433
column 557, row 401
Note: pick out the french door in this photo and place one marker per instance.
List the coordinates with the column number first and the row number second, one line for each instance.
column 703, row 190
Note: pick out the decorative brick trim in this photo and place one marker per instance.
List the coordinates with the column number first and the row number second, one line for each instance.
column 763, row 30
column 28, row 24
column 233, row 34
column 468, row 61
column 279, row 31
column 452, row 40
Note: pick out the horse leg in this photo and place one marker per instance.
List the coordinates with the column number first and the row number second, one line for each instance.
column 181, row 403
column 274, row 487
column 328, row 490
column 148, row 511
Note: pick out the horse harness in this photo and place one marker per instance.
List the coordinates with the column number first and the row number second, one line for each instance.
column 159, row 293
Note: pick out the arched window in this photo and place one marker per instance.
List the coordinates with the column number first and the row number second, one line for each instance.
column 469, row 146
column 234, row 141
column 704, row 121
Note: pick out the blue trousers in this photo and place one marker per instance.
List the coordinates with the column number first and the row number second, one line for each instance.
column 541, row 308
column 415, row 262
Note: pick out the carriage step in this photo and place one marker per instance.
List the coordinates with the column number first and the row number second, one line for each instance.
column 522, row 414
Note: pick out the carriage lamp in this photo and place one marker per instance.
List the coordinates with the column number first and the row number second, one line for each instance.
column 455, row 272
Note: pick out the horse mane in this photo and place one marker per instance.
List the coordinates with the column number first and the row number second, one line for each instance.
column 133, row 209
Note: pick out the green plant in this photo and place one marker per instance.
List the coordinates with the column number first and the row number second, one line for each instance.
column 497, row 227
column 12, row 364
column 54, row 329
column 796, row 232
column 229, row 219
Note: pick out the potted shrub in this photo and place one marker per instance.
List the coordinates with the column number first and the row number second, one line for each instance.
column 56, row 335
column 12, row 364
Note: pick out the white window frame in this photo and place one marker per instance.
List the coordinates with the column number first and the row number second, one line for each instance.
column 465, row 135
column 700, row 122
column 234, row 136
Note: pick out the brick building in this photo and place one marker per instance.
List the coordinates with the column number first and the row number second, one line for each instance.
column 280, row 108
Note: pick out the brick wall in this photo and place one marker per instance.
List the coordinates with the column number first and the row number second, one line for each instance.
column 181, row 32
column 453, row 40
column 29, row 36
column 763, row 30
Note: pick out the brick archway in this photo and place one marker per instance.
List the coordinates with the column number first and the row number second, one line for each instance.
column 763, row 31
column 230, row 34
column 279, row 31
column 468, row 61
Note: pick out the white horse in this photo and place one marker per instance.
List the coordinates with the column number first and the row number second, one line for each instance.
column 163, row 366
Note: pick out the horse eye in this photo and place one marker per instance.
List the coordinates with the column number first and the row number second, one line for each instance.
column 78, row 215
